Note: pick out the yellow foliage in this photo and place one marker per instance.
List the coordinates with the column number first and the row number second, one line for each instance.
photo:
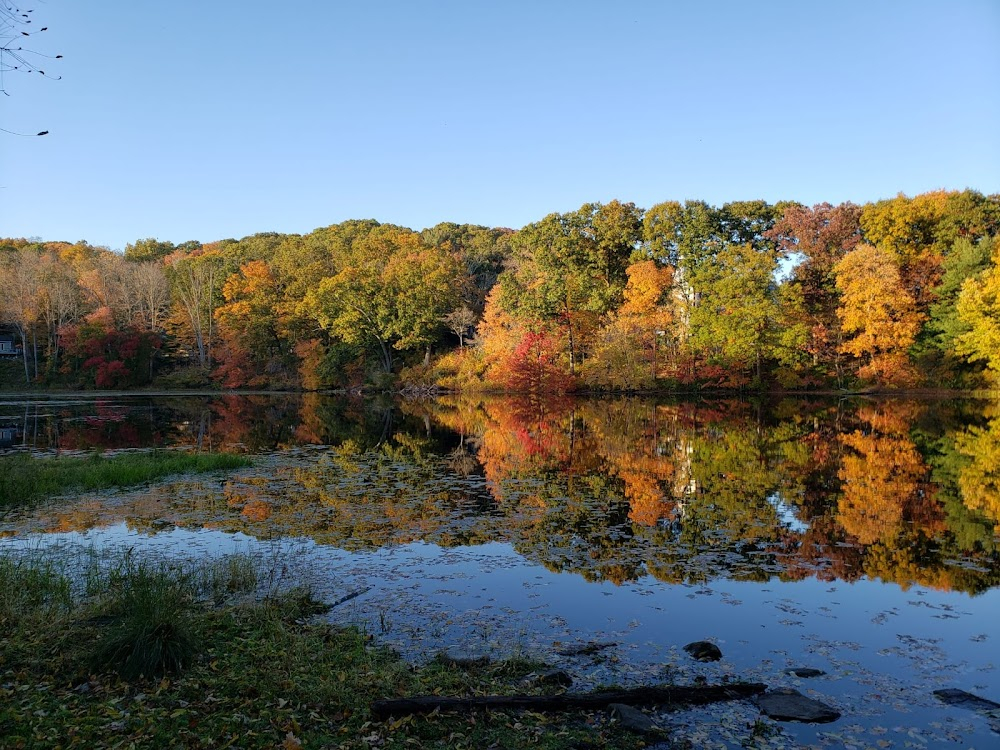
column 878, row 315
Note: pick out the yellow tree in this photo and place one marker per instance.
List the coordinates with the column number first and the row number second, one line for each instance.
column 979, row 307
column 979, row 479
column 877, row 314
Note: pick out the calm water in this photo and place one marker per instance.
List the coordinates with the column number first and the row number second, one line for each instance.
column 855, row 536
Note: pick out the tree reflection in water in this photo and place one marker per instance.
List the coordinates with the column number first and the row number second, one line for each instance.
column 612, row 490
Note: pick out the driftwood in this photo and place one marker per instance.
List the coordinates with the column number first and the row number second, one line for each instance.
column 663, row 695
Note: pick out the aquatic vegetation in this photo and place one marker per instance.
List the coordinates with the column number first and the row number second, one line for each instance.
column 24, row 477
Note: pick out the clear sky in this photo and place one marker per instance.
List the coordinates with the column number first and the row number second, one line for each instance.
column 205, row 120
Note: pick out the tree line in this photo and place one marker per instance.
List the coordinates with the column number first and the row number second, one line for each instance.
column 901, row 292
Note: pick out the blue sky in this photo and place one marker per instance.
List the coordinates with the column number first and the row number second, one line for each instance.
column 205, row 120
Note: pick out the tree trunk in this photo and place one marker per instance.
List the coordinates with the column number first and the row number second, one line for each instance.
column 24, row 356
column 664, row 695
column 386, row 356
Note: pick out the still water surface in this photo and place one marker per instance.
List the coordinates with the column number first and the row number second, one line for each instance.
column 854, row 536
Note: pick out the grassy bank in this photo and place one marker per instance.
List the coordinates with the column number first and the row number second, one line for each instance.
column 25, row 478
column 146, row 656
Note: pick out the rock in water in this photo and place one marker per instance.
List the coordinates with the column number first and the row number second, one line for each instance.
column 632, row 718
column 805, row 672
column 791, row 705
column 962, row 699
column 704, row 651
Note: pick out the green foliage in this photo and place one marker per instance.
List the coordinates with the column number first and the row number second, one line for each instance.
column 148, row 249
column 733, row 320
column 978, row 308
column 26, row 478
column 390, row 292
column 936, row 347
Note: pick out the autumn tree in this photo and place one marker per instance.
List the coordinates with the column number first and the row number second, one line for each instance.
column 248, row 323
column 61, row 303
column 196, row 281
column 877, row 314
column 814, row 240
column 21, row 302
column 630, row 350
column 569, row 270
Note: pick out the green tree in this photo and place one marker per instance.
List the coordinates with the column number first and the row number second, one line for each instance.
column 390, row 291
column 936, row 349
column 148, row 249
column 732, row 323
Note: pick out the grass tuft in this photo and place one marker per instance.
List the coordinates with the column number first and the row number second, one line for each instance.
column 151, row 630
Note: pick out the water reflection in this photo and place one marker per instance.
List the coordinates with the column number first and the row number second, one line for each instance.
column 902, row 491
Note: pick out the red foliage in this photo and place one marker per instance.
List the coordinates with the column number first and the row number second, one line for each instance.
column 115, row 358
column 533, row 366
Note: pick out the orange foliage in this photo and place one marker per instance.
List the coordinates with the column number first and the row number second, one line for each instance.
column 878, row 314
column 886, row 482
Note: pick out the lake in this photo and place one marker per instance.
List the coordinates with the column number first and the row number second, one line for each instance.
column 856, row 536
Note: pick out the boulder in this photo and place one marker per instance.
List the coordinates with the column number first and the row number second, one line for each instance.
column 791, row 705
column 704, row 651
column 962, row 699
column 633, row 719
column 805, row 672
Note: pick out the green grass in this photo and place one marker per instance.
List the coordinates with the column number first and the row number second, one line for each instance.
column 27, row 478
column 263, row 674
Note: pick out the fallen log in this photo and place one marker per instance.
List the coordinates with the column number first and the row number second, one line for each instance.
column 662, row 695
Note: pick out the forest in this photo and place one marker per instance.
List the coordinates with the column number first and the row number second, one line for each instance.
column 895, row 294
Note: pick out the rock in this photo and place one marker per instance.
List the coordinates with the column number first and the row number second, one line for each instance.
column 962, row 699
column 633, row 719
column 791, row 705
column 805, row 672
column 704, row 651
column 550, row 677
column 462, row 660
